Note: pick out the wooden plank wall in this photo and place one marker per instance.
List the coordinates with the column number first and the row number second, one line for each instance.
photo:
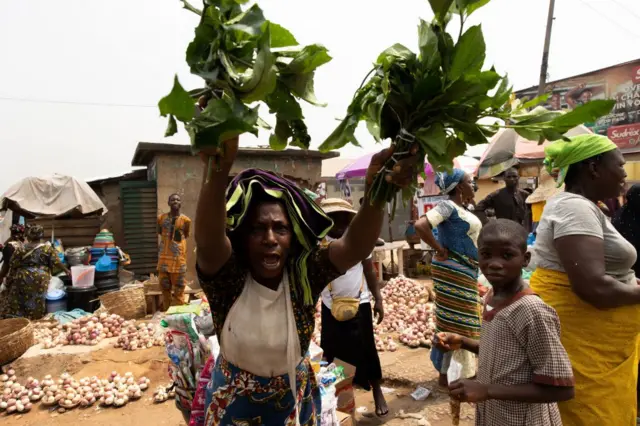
column 139, row 218
column 72, row 232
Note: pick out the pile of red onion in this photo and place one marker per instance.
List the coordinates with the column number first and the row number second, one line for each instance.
column 408, row 316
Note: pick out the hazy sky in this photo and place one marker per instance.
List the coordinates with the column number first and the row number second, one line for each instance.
column 80, row 79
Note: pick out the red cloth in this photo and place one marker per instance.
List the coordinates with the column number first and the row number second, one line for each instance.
column 198, row 411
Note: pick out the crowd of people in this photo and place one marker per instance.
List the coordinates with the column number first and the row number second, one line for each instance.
column 550, row 352
column 561, row 348
column 556, row 350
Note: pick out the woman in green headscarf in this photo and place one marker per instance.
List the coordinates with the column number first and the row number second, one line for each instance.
column 584, row 272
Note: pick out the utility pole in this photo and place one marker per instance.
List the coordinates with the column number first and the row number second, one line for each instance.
column 545, row 52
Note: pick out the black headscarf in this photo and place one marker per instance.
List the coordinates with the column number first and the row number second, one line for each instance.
column 35, row 233
column 627, row 220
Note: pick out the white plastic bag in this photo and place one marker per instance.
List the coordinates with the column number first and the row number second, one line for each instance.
column 460, row 367
column 215, row 346
column 329, row 415
column 455, row 370
column 55, row 284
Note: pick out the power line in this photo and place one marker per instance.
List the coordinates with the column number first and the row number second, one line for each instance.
column 631, row 12
column 600, row 14
column 53, row 101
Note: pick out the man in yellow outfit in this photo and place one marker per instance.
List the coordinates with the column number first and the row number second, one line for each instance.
column 174, row 228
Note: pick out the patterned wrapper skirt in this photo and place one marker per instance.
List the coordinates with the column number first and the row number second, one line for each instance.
column 238, row 398
column 457, row 303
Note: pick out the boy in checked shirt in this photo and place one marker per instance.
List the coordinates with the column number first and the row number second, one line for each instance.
column 523, row 369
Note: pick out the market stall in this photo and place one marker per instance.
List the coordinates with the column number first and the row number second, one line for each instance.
column 507, row 149
column 70, row 212
column 398, row 257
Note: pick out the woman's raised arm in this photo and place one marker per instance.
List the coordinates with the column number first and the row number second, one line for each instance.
column 360, row 239
column 213, row 248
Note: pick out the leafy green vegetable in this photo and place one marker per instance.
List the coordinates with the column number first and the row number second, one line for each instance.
column 243, row 59
column 441, row 97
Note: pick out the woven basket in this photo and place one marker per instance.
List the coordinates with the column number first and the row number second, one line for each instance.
column 129, row 303
column 16, row 336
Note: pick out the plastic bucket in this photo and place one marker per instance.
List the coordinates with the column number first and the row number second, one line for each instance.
column 54, row 306
column 82, row 298
column 107, row 283
column 82, row 276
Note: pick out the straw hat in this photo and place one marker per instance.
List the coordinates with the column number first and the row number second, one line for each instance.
column 335, row 205
column 545, row 190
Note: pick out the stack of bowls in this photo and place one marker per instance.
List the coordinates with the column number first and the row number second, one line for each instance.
column 104, row 239
column 106, row 280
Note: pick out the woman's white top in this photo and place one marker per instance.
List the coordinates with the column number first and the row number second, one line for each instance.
column 351, row 284
column 260, row 331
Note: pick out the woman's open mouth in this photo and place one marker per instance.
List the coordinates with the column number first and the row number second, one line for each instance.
column 271, row 261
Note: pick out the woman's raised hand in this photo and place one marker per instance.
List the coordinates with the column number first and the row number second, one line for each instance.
column 223, row 156
column 403, row 171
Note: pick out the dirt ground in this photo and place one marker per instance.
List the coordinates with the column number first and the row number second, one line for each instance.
column 404, row 370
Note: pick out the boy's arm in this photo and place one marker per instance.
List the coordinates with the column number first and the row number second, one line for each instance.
column 530, row 392
column 471, row 345
column 474, row 391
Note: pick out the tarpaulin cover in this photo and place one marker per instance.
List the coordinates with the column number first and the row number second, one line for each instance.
column 52, row 196
column 507, row 148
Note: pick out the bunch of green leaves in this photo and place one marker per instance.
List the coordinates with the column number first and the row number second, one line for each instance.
column 243, row 59
column 440, row 96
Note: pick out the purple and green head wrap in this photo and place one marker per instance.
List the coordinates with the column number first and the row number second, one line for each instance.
column 310, row 224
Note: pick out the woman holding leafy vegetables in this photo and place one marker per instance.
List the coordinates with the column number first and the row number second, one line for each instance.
column 262, row 268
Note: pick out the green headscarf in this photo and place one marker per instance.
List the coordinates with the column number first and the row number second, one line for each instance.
column 561, row 154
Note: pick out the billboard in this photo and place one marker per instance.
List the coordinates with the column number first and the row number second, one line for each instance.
column 620, row 82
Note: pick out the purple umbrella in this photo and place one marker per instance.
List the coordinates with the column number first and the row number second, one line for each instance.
column 358, row 168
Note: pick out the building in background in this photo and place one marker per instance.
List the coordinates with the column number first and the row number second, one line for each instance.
column 136, row 199
column 619, row 82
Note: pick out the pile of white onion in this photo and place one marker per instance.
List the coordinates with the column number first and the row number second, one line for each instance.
column 16, row 398
column 139, row 336
column 68, row 393
column 162, row 394
column 119, row 390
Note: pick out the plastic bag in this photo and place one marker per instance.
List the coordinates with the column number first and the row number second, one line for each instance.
column 104, row 264
column 55, row 284
column 460, row 367
column 454, row 373
column 455, row 370
column 215, row 346
column 329, row 415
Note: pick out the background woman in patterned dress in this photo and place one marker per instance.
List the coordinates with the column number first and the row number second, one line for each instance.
column 15, row 240
column 261, row 265
column 29, row 276
column 455, row 266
